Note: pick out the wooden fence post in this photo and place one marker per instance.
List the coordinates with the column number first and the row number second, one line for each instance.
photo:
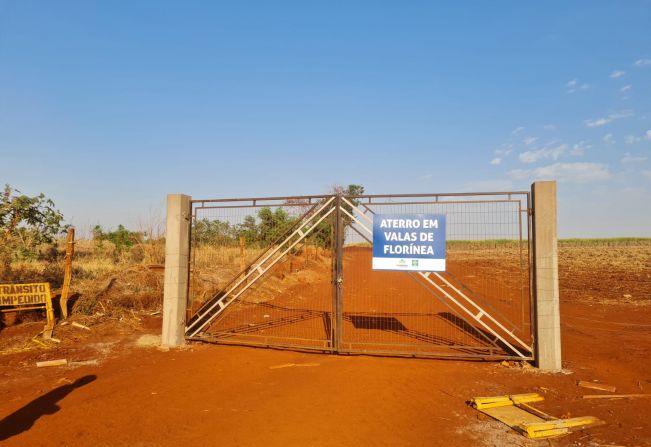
column 242, row 260
column 67, row 272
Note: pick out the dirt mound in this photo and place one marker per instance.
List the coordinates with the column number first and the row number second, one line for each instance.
column 136, row 288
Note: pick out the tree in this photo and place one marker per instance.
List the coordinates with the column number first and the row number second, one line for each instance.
column 349, row 193
column 248, row 229
column 122, row 238
column 323, row 235
column 26, row 223
column 273, row 224
column 214, row 232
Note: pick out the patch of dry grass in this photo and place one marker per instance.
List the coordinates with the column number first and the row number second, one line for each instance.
column 108, row 281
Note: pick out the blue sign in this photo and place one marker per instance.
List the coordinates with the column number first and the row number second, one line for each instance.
column 409, row 242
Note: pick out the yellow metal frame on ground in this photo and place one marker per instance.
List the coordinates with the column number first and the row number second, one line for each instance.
column 515, row 411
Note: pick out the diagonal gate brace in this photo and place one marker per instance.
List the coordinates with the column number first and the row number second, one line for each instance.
column 208, row 314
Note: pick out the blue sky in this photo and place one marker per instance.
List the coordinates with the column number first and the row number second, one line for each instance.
column 108, row 106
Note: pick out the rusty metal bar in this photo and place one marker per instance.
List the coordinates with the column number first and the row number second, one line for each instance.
column 338, row 277
column 256, row 199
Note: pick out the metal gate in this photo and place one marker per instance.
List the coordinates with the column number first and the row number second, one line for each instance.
column 296, row 272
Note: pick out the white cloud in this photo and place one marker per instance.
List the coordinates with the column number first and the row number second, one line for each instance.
column 642, row 62
column 598, row 122
column 549, row 127
column 579, row 148
column 565, row 172
column 647, row 174
column 628, row 158
column 609, row 139
column 647, row 135
column 626, row 88
column 529, row 140
column 573, row 85
column 631, row 139
column 505, row 150
column 517, row 130
column 540, row 154
column 617, row 74
column 424, row 178
column 496, row 161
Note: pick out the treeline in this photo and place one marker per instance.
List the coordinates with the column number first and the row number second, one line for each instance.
column 261, row 230
column 268, row 225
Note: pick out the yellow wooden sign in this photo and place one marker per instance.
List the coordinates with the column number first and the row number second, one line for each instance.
column 27, row 297
column 24, row 294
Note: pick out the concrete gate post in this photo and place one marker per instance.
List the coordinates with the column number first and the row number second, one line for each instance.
column 177, row 256
column 545, row 276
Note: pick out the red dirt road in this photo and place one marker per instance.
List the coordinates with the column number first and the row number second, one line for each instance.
column 211, row 395
column 218, row 395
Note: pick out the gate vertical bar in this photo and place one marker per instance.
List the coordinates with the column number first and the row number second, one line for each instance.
column 338, row 278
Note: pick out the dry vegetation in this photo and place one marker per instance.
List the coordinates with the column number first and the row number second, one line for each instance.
column 610, row 271
column 108, row 283
column 213, row 267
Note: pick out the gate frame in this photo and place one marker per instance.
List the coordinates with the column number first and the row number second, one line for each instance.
column 543, row 271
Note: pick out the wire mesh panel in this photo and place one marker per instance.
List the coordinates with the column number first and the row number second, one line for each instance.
column 478, row 307
column 297, row 272
column 261, row 272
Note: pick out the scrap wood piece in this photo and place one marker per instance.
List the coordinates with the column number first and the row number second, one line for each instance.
column 596, row 386
column 80, row 326
column 289, row 365
column 559, row 426
column 614, row 396
column 481, row 403
column 84, row 362
column 284, row 365
column 515, row 412
column 39, row 342
column 58, row 362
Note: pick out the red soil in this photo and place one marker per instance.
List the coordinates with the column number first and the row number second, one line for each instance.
column 225, row 395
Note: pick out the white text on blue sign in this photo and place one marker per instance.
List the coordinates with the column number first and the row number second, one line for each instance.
column 409, row 242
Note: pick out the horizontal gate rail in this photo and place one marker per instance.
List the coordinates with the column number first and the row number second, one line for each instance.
column 370, row 197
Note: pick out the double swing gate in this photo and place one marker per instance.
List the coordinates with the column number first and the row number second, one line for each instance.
column 296, row 272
